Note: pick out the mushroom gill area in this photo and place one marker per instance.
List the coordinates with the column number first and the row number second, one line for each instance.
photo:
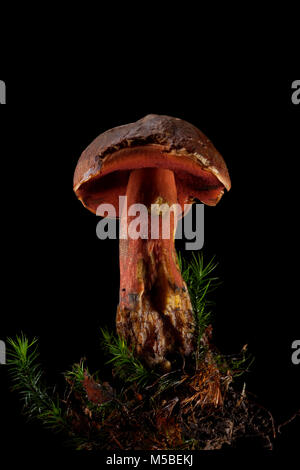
column 107, row 188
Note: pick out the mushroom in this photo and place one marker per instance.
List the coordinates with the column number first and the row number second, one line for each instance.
column 164, row 161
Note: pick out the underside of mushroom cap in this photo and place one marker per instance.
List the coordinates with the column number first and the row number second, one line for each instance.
column 103, row 169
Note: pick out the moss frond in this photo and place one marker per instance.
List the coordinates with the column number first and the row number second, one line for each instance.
column 76, row 375
column 200, row 283
column 27, row 378
column 126, row 364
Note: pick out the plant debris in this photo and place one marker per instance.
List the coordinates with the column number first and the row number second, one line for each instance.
column 200, row 411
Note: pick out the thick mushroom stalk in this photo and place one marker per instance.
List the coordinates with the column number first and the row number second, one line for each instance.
column 155, row 313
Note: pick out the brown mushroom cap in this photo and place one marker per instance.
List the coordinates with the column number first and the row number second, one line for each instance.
column 156, row 141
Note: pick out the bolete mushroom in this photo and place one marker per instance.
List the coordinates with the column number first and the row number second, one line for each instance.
column 156, row 160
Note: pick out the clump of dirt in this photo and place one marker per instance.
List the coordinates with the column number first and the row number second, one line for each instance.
column 194, row 410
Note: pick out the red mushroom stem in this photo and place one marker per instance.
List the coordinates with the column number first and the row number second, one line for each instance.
column 155, row 313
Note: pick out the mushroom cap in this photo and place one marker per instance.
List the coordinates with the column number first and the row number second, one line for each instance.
column 103, row 169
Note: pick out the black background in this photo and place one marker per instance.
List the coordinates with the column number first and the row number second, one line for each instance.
column 60, row 283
